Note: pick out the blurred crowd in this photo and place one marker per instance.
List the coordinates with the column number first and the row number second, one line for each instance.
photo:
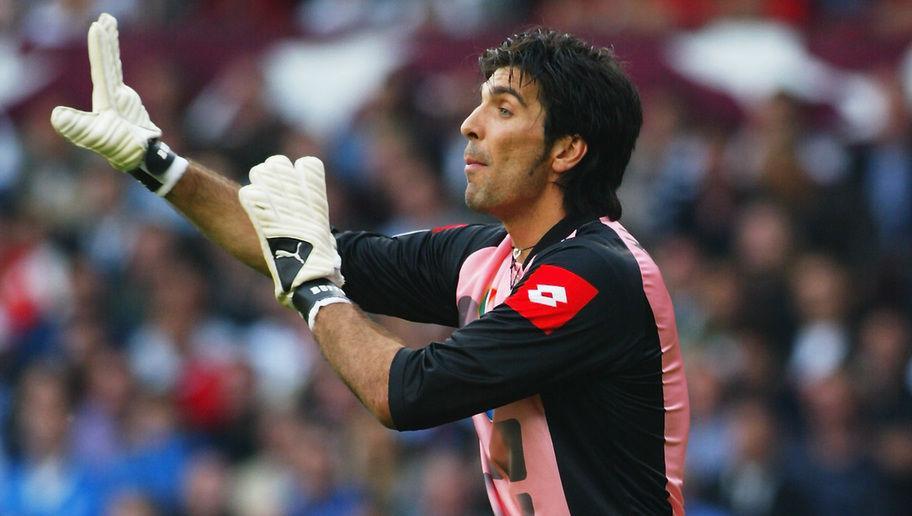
column 143, row 371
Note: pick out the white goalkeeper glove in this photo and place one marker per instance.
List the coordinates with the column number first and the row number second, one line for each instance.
column 118, row 127
column 287, row 205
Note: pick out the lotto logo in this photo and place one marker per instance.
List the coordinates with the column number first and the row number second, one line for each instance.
column 548, row 295
column 551, row 297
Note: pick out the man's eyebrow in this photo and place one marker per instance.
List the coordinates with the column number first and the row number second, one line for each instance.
column 507, row 90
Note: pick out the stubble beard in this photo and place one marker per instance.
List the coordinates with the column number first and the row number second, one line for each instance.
column 474, row 198
column 493, row 200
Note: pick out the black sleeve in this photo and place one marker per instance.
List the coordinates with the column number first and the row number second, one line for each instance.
column 574, row 313
column 411, row 276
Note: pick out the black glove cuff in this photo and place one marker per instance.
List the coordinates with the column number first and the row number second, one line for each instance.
column 154, row 165
column 147, row 180
column 161, row 168
column 159, row 158
column 315, row 294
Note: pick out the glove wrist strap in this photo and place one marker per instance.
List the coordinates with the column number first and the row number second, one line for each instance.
column 313, row 295
column 161, row 168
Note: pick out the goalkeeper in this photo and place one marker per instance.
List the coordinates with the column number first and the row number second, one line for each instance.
column 566, row 357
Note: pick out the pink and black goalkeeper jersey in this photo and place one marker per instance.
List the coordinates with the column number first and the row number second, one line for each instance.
column 573, row 377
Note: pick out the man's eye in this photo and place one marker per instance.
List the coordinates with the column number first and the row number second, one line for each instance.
column 504, row 112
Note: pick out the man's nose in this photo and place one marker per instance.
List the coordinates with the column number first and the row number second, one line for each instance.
column 471, row 128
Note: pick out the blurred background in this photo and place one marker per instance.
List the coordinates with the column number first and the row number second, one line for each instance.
column 143, row 371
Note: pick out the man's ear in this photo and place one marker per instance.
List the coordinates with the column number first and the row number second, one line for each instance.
column 567, row 152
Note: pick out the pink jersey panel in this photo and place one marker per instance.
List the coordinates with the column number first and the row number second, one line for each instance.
column 541, row 483
column 485, row 278
column 477, row 277
column 674, row 385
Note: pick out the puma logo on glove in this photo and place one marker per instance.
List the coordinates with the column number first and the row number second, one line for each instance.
column 281, row 253
column 287, row 270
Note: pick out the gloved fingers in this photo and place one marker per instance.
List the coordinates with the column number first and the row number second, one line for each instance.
column 257, row 205
column 104, row 61
column 108, row 24
column 278, row 176
column 258, row 196
column 130, row 107
column 260, row 206
column 312, row 176
column 104, row 133
column 109, row 91
column 75, row 125
column 271, row 173
column 255, row 202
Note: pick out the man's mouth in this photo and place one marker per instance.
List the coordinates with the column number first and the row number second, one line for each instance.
column 473, row 165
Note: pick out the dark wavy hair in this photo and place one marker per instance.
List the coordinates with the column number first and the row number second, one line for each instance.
column 584, row 91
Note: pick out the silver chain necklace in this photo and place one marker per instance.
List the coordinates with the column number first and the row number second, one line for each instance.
column 515, row 267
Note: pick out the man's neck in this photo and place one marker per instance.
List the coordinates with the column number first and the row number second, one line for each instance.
column 528, row 226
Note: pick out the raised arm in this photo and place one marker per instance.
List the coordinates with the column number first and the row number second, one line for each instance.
column 119, row 129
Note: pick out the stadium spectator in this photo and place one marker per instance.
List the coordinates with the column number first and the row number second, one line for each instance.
column 42, row 476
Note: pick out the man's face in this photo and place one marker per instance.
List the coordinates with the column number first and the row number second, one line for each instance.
column 506, row 163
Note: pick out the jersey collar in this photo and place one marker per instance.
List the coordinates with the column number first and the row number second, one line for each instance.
column 559, row 232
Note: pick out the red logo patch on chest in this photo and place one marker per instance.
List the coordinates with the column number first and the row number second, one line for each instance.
column 551, row 296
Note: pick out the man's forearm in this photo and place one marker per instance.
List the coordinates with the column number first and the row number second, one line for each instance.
column 210, row 201
column 360, row 351
column 361, row 354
